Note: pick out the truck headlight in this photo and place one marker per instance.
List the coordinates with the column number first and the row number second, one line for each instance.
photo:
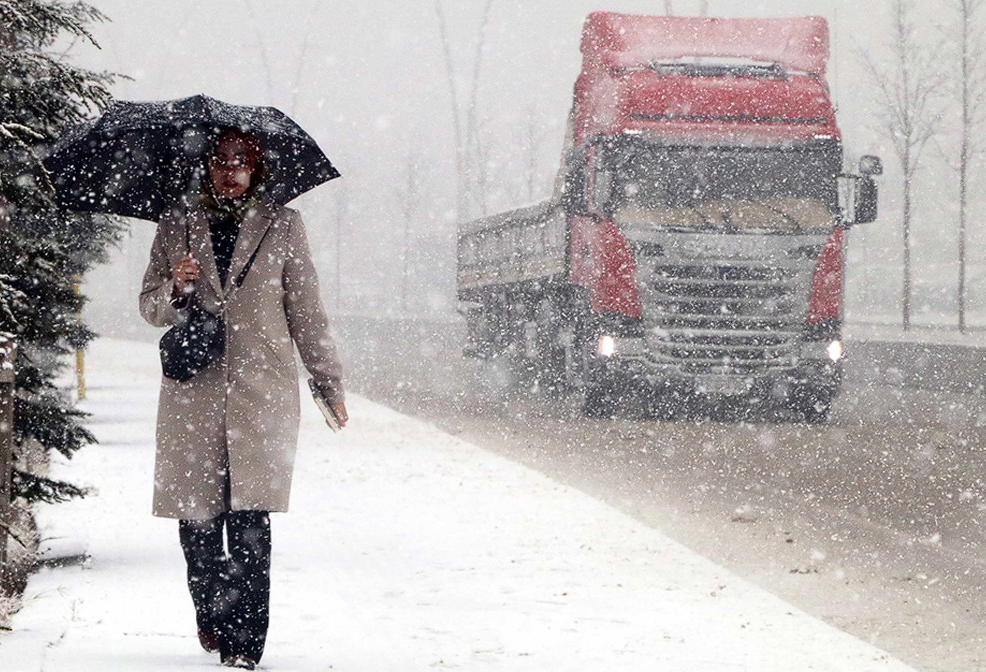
column 607, row 346
column 835, row 351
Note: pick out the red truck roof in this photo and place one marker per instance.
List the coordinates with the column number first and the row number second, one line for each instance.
column 781, row 97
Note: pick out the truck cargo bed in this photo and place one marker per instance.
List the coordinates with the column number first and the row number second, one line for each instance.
column 520, row 246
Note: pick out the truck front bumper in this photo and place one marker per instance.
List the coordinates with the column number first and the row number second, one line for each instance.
column 817, row 369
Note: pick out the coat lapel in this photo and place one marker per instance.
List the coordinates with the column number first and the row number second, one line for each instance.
column 252, row 229
column 201, row 244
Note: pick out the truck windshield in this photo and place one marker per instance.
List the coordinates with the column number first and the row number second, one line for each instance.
column 725, row 187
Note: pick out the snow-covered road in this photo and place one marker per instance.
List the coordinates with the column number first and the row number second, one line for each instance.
column 406, row 549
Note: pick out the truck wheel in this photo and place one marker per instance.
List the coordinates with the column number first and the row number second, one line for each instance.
column 814, row 405
column 549, row 361
column 601, row 401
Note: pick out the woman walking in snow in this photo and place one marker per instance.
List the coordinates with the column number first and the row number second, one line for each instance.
column 226, row 438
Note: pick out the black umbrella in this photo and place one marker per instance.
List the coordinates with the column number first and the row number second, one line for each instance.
column 140, row 157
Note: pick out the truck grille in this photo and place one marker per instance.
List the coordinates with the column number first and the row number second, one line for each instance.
column 725, row 315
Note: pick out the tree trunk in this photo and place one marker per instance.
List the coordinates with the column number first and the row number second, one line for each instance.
column 478, row 157
column 466, row 134
column 265, row 60
column 964, row 161
column 963, row 171
column 532, row 144
column 408, row 207
column 8, row 355
column 407, row 260
column 460, row 190
column 907, row 253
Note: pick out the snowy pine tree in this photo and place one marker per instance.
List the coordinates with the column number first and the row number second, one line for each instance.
column 44, row 250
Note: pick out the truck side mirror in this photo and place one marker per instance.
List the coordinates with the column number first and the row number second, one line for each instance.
column 857, row 198
column 866, row 200
column 870, row 165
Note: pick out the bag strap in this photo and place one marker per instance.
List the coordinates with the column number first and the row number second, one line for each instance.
column 246, row 269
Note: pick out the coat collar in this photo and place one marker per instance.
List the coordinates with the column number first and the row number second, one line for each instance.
column 252, row 229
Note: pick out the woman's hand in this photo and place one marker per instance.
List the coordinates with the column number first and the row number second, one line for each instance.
column 185, row 273
column 341, row 414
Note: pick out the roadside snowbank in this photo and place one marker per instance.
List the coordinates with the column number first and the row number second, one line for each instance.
column 406, row 549
column 919, row 334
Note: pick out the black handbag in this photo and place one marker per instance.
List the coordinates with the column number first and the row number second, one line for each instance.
column 200, row 337
column 189, row 346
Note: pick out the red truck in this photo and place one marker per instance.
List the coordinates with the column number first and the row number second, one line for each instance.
column 695, row 243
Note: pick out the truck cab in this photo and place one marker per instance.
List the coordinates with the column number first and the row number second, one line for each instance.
column 705, row 212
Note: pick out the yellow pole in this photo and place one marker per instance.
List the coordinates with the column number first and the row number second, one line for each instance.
column 80, row 359
column 80, row 372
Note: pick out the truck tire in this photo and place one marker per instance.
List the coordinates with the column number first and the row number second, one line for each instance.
column 813, row 404
column 549, row 360
column 601, row 401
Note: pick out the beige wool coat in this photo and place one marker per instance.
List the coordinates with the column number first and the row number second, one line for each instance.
column 241, row 411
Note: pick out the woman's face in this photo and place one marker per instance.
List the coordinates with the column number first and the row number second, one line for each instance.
column 231, row 167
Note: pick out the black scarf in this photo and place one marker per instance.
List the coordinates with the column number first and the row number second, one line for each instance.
column 223, row 229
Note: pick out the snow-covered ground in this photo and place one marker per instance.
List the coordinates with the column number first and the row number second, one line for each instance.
column 406, row 549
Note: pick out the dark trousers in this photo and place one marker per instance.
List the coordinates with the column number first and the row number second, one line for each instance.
column 230, row 590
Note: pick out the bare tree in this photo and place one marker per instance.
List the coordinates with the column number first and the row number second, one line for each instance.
column 478, row 156
column 303, row 58
column 972, row 105
column 460, row 147
column 908, row 114
column 410, row 197
column 534, row 137
column 342, row 208
column 262, row 47
column 301, row 61
column 466, row 131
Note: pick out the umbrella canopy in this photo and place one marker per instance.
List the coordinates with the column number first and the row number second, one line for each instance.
column 140, row 157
